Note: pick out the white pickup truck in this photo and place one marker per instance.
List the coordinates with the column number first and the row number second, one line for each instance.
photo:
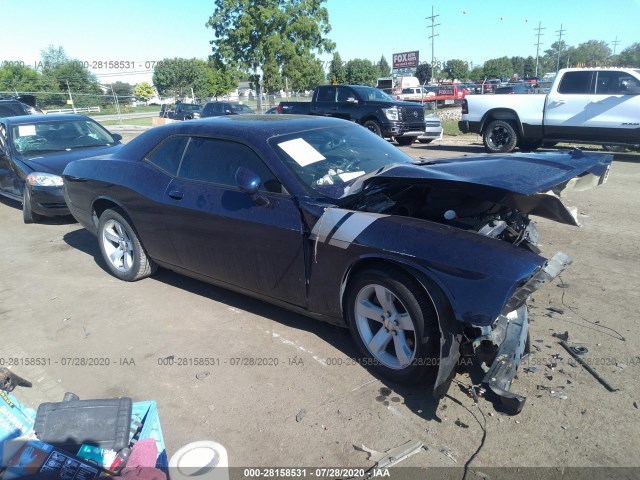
column 584, row 105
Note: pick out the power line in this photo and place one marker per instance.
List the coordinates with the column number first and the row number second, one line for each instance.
column 559, row 32
column 538, row 43
column 433, row 38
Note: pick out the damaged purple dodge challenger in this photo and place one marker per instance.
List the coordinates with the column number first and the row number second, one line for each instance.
column 423, row 260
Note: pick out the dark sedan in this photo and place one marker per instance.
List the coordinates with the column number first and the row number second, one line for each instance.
column 424, row 261
column 218, row 109
column 34, row 150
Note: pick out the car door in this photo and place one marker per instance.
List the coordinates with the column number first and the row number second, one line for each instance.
column 222, row 233
column 10, row 181
column 325, row 101
column 346, row 105
column 565, row 108
column 613, row 112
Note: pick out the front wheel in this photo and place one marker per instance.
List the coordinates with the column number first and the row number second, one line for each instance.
column 499, row 136
column 27, row 213
column 394, row 325
column 373, row 126
column 404, row 141
column 121, row 248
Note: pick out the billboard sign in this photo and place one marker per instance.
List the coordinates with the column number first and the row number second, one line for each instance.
column 405, row 59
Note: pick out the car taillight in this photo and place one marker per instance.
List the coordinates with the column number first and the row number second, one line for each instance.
column 465, row 106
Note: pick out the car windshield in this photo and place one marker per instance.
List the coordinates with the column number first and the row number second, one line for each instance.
column 58, row 136
column 370, row 93
column 238, row 108
column 329, row 159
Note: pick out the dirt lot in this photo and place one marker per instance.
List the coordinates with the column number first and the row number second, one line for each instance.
column 57, row 303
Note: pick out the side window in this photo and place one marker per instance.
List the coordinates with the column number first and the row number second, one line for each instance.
column 614, row 83
column 167, row 156
column 327, row 94
column 343, row 94
column 575, row 83
column 216, row 161
column 217, row 107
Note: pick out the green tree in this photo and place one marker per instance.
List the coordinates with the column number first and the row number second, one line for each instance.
column 176, row 76
column 122, row 89
column 423, row 73
column 262, row 36
column 498, row 68
column 529, row 68
column 337, row 72
column 15, row 77
column 384, row 70
column 457, row 69
column 518, row 65
column 145, row 91
column 361, row 72
column 593, row 52
column 303, row 73
column 630, row 56
column 550, row 59
column 211, row 81
column 477, row 74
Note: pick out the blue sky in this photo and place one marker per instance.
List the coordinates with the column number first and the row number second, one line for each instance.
column 472, row 30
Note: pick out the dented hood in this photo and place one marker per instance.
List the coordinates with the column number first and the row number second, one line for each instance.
column 531, row 183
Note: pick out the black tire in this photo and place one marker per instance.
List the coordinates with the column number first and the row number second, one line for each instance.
column 499, row 136
column 404, row 141
column 425, row 140
column 529, row 145
column 409, row 298
column 373, row 126
column 124, row 256
column 27, row 213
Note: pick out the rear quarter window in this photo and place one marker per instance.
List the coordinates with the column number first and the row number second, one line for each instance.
column 168, row 154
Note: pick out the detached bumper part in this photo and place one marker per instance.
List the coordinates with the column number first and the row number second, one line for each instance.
column 498, row 379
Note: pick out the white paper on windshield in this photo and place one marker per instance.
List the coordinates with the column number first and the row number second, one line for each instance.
column 26, row 130
column 345, row 177
column 301, row 152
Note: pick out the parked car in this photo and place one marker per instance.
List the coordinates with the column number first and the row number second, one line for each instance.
column 424, row 260
column 513, row 89
column 216, row 109
column 12, row 108
column 432, row 129
column 272, row 111
column 412, row 94
column 181, row 111
column 34, row 150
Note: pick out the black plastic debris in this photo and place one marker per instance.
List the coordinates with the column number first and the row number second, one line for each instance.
column 461, row 424
column 556, row 310
column 530, row 369
column 562, row 336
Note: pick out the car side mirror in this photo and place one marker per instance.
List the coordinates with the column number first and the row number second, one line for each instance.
column 249, row 182
column 116, row 136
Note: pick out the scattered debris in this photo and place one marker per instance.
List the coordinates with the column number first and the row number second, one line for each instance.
column 562, row 336
column 552, row 366
column 558, row 394
column 549, row 377
column 447, row 453
column 579, row 349
column 87, row 332
column 556, row 310
column 202, row 375
column 461, row 424
column 300, row 415
column 480, row 474
column 530, row 369
column 556, row 356
column 635, row 404
column 563, row 285
column 392, row 456
column 588, row 368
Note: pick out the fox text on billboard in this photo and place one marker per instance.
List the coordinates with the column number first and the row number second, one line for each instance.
column 405, row 59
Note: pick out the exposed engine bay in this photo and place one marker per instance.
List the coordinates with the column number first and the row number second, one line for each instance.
column 452, row 207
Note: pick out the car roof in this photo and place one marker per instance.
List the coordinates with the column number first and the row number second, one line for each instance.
column 48, row 118
column 252, row 129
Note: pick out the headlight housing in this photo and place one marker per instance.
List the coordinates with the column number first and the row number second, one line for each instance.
column 392, row 114
column 44, row 179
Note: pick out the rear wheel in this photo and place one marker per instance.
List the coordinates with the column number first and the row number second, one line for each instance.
column 394, row 324
column 373, row 126
column 405, row 140
column 121, row 248
column 499, row 136
column 27, row 214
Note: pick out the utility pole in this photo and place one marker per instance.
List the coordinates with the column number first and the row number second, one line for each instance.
column 559, row 32
column 538, row 43
column 433, row 39
column 615, row 44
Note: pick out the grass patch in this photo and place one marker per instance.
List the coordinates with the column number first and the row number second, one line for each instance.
column 111, row 110
column 450, row 127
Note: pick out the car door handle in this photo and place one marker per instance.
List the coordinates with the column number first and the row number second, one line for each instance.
column 176, row 194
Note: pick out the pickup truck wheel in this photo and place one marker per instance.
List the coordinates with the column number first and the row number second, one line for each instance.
column 499, row 136
column 405, row 140
column 373, row 126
